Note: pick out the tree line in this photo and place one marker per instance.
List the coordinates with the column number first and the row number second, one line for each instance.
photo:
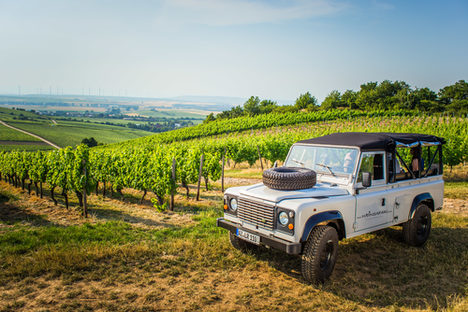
column 387, row 95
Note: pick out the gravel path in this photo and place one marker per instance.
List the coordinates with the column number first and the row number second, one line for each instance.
column 31, row 134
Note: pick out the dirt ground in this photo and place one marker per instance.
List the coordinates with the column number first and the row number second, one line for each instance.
column 39, row 211
column 266, row 282
column 455, row 206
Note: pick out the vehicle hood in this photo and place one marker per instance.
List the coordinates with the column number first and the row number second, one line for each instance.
column 260, row 191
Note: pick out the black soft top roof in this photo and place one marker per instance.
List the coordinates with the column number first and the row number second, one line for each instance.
column 376, row 140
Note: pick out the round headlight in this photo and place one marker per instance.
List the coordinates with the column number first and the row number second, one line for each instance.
column 233, row 204
column 283, row 218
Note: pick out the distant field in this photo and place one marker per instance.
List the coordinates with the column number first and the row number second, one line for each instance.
column 144, row 111
column 66, row 132
column 104, row 120
column 8, row 134
column 72, row 133
column 60, row 108
column 173, row 113
column 22, row 147
column 7, row 114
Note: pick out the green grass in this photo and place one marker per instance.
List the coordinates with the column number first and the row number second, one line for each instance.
column 458, row 190
column 373, row 271
column 72, row 133
column 22, row 240
column 8, row 134
column 118, row 265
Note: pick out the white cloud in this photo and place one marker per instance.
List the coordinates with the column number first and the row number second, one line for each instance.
column 239, row 12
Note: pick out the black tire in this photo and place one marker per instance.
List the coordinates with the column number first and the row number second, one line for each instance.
column 289, row 178
column 320, row 252
column 416, row 230
column 241, row 244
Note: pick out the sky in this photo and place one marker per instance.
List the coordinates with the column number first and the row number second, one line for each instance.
column 274, row 49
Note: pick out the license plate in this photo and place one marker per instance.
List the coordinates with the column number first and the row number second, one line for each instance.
column 248, row 236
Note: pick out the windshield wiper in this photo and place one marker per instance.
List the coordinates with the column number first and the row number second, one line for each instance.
column 325, row 166
column 298, row 162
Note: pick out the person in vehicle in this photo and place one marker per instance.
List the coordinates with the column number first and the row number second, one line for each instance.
column 348, row 163
column 416, row 166
column 397, row 164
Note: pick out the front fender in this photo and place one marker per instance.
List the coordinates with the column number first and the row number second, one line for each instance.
column 316, row 219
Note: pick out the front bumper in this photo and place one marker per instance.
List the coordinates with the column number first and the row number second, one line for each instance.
column 288, row 247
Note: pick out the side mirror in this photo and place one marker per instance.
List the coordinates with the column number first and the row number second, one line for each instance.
column 366, row 179
column 275, row 164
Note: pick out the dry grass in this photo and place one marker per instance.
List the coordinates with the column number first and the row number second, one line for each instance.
column 128, row 257
column 33, row 210
column 457, row 173
column 456, row 190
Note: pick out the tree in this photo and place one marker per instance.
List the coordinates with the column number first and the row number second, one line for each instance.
column 454, row 98
column 366, row 97
column 209, row 118
column 252, row 106
column 232, row 113
column 386, row 95
column 306, row 101
column 333, row 100
column 349, row 99
column 424, row 100
column 91, row 142
column 267, row 106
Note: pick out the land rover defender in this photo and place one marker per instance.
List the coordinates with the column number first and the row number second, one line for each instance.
column 335, row 187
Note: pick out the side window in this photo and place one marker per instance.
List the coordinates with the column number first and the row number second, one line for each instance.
column 373, row 163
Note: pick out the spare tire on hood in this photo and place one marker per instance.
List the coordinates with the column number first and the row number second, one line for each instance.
column 289, row 178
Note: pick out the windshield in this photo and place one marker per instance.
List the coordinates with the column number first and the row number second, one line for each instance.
column 335, row 161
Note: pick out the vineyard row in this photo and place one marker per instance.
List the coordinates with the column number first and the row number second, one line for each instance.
column 149, row 167
column 265, row 121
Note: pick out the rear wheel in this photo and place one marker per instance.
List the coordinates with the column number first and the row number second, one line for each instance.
column 416, row 231
column 320, row 252
column 241, row 244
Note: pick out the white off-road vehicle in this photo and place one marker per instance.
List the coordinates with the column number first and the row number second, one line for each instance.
column 339, row 186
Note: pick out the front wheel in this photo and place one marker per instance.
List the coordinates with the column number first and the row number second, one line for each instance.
column 320, row 252
column 416, row 231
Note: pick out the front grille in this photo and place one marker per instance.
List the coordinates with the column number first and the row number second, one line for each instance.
column 257, row 213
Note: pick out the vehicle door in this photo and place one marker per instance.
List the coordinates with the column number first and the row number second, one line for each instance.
column 373, row 208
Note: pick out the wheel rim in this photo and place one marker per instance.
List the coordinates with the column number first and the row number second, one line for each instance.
column 422, row 226
column 326, row 255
